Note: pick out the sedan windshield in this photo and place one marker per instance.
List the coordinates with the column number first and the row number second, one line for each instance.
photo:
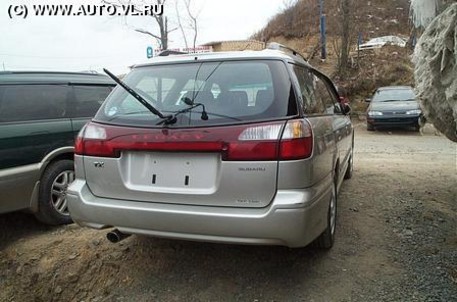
column 232, row 91
column 391, row 95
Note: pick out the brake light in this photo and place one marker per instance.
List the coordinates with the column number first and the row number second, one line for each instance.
column 79, row 142
column 261, row 142
column 296, row 141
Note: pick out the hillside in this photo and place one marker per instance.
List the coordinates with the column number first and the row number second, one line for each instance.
column 371, row 19
column 298, row 27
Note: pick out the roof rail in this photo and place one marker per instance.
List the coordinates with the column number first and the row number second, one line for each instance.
column 280, row 47
column 89, row 71
column 168, row 52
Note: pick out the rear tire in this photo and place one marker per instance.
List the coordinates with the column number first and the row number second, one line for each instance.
column 327, row 238
column 52, row 200
column 370, row 127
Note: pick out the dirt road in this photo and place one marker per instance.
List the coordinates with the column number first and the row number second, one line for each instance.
column 397, row 241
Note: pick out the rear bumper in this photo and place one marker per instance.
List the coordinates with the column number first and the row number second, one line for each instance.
column 397, row 121
column 294, row 218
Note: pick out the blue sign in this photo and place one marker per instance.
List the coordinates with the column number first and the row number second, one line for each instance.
column 150, row 52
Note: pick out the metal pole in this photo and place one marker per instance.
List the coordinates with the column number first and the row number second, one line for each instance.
column 322, row 29
column 321, row 8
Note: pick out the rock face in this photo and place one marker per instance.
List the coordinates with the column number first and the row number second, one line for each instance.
column 435, row 58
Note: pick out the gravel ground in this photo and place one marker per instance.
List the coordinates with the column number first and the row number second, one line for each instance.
column 397, row 241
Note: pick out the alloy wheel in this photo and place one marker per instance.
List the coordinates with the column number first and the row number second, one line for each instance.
column 59, row 191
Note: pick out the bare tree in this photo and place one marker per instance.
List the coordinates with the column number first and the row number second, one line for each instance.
column 191, row 22
column 160, row 19
column 181, row 26
column 345, row 36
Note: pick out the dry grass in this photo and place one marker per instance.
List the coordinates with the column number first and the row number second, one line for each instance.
column 297, row 27
column 371, row 18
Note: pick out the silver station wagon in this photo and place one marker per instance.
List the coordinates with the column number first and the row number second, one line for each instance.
column 243, row 147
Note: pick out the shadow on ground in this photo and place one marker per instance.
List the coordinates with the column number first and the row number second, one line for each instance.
column 19, row 225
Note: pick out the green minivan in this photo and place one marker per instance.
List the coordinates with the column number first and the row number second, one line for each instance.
column 40, row 115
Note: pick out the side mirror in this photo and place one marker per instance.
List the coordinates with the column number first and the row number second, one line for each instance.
column 368, row 100
column 346, row 109
column 344, row 100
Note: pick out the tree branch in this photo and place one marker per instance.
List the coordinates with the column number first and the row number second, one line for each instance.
column 143, row 31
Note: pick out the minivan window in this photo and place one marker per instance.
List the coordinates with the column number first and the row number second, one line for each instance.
column 32, row 102
column 88, row 99
column 231, row 91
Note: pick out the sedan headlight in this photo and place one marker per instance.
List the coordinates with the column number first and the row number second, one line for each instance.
column 375, row 113
column 414, row 112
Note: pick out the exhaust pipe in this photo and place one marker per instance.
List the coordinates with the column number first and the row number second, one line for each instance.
column 116, row 236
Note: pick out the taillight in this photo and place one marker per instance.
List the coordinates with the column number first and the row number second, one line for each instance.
column 296, row 141
column 260, row 142
column 89, row 135
column 79, row 142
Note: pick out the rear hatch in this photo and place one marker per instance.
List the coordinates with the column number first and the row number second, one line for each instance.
column 229, row 159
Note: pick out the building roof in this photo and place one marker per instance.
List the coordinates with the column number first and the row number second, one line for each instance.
column 232, row 41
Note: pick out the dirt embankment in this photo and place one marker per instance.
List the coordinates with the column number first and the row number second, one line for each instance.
column 397, row 241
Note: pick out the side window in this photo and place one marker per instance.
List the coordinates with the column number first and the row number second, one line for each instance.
column 33, row 102
column 312, row 101
column 88, row 99
column 324, row 96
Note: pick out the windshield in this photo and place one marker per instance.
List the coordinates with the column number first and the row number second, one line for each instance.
column 390, row 95
column 233, row 91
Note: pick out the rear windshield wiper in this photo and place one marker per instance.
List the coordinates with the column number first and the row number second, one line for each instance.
column 138, row 97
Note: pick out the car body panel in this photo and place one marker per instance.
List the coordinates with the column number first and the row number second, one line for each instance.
column 276, row 202
column 23, row 147
column 210, row 180
column 395, row 112
column 28, row 146
column 17, row 185
column 27, row 143
column 380, row 42
column 395, row 121
column 294, row 218
column 397, row 107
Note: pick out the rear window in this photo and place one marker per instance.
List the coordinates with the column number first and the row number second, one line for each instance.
column 233, row 91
